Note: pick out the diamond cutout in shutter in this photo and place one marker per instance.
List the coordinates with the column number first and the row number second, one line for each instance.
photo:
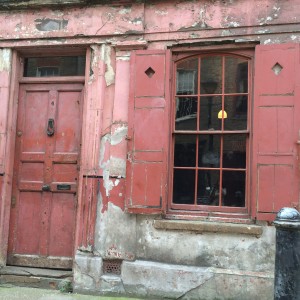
column 150, row 72
column 277, row 68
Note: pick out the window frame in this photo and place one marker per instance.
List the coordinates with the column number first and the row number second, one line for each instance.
column 192, row 210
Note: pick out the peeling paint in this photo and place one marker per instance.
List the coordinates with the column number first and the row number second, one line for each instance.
column 94, row 62
column 5, row 60
column 137, row 21
column 50, row 24
column 267, row 41
column 106, row 57
column 161, row 12
column 125, row 11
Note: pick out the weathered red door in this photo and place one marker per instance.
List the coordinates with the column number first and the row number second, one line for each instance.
column 43, row 206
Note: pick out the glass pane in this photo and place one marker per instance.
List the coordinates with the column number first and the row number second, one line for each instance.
column 234, row 151
column 208, row 187
column 186, row 113
column 211, row 75
column 184, row 186
column 236, row 108
column 209, row 109
column 233, row 188
column 209, row 151
column 185, row 151
column 236, row 75
column 187, row 77
column 54, row 66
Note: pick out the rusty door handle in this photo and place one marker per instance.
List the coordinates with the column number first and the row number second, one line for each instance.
column 50, row 127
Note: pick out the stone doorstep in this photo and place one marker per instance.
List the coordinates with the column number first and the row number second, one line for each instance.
column 34, row 277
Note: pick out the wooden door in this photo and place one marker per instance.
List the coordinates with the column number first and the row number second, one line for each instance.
column 43, row 206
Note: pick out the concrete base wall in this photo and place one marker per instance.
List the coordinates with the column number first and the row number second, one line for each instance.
column 155, row 280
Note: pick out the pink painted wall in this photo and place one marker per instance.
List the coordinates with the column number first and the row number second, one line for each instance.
column 157, row 17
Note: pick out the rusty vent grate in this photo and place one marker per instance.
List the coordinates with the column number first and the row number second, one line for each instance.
column 112, row 266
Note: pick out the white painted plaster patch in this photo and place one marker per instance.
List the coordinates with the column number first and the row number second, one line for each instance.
column 104, row 165
column 117, row 167
column 107, row 183
column 293, row 37
column 5, row 60
column 118, row 135
column 267, row 41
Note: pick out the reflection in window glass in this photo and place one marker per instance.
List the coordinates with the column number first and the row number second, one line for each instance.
column 208, row 187
column 236, row 75
column 211, row 75
column 209, row 109
column 236, row 108
column 233, row 188
column 54, row 66
column 234, row 151
column 186, row 113
column 184, row 186
column 209, row 150
column 187, row 77
column 185, row 151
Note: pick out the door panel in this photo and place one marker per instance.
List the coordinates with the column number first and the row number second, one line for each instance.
column 45, row 177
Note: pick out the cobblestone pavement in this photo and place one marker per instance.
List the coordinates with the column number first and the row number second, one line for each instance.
column 23, row 293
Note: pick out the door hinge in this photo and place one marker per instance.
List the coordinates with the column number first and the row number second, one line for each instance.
column 13, row 202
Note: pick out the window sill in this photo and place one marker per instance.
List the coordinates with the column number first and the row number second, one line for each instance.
column 206, row 226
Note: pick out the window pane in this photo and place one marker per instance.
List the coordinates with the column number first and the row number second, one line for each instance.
column 209, row 109
column 187, row 77
column 208, row 187
column 236, row 75
column 233, row 188
column 236, row 108
column 184, row 186
column 186, row 113
column 234, row 151
column 54, row 66
column 209, row 151
column 185, row 151
column 211, row 75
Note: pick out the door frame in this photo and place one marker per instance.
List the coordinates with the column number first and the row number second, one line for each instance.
column 16, row 78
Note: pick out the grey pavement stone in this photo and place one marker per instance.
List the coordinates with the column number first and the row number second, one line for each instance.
column 21, row 293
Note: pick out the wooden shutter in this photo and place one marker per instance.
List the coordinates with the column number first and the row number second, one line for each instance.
column 147, row 131
column 276, row 124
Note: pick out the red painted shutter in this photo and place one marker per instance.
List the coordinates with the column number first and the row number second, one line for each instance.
column 147, row 131
column 276, row 116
